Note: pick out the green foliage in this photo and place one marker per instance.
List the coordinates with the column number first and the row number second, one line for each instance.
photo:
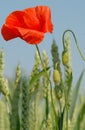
column 38, row 102
column 4, row 116
column 24, row 104
column 80, row 117
column 14, row 115
column 75, row 95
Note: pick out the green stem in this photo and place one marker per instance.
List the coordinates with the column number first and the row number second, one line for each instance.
column 35, row 105
column 66, row 117
column 48, row 80
column 9, row 103
column 60, row 123
column 39, row 55
column 66, row 108
column 47, row 109
column 77, row 45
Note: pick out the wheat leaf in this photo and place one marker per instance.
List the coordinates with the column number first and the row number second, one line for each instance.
column 80, row 117
column 75, row 94
column 37, row 76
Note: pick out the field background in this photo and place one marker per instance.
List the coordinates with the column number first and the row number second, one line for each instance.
column 41, row 95
column 65, row 15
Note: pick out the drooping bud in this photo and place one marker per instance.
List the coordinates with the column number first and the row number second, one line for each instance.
column 65, row 57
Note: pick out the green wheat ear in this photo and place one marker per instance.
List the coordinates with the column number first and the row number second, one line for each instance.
column 4, row 88
column 45, row 79
column 35, row 71
column 1, row 69
column 4, row 117
column 57, row 73
column 45, row 87
column 55, row 55
column 18, row 75
column 34, row 91
column 24, row 104
column 14, row 116
column 57, row 78
column 66, row 60
column 1, row 62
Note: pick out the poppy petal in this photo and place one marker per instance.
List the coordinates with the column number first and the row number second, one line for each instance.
column 9, row 33
column 44, row 15
column 31, row 36
column 31, row 19
column 26, row 19
column 16, row 19
column 30, row 24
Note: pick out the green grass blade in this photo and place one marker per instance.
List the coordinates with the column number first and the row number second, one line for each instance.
column 75, row 94
column 37, row 76
column 61, row 118
column 80, row 118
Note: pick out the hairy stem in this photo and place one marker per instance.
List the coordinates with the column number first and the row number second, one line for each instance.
column 60, row 124
column 49, row 82
column 66, row 117
column 77, row 45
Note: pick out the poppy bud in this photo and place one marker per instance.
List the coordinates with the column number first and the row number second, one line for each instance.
column 65, row 58
column 56, row 76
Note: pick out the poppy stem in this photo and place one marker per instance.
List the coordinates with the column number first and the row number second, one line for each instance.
column 39, row 54
column 49, row 82
column 77, row 45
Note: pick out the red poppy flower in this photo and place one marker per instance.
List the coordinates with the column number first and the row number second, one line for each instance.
column 30, row 24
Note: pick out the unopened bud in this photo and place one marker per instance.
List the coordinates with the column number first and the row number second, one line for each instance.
column 65, row 58
column 56, row 76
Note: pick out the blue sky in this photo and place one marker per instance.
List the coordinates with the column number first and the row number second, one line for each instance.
column 66, row 14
